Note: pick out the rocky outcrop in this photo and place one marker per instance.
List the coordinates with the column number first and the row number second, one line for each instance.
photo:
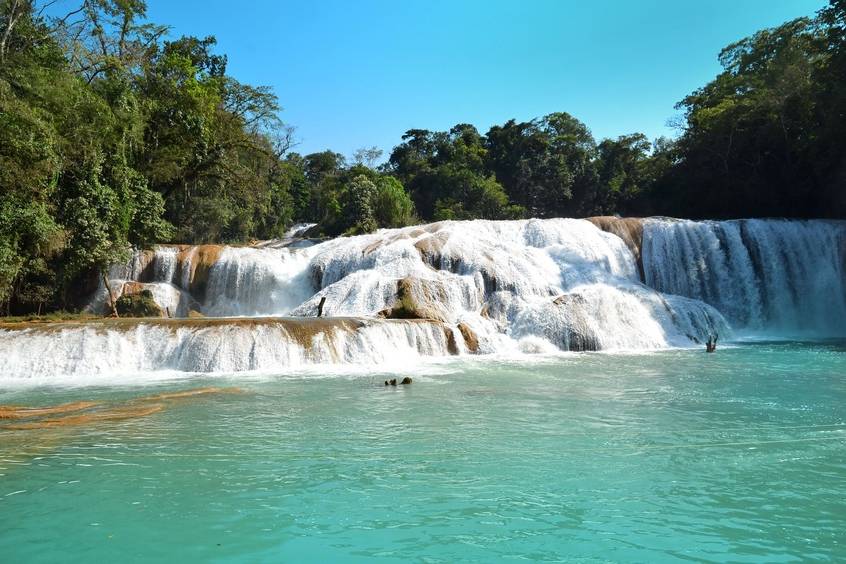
column 193, row 267
column 418, row 299
column 452, row 344
column 629, row 229
column 435, row 253
column 140, row 304
column 144, row 268
column 571, row 310
column 471, row 340
column 171, row 301
column 131, row 288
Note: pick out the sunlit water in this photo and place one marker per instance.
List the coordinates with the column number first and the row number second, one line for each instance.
column 667, row 456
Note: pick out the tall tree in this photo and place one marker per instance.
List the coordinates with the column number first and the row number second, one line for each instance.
column 545, row 165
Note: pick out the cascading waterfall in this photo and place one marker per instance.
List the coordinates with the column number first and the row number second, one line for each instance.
column 249, row 282
column 769, row 276
column 41, row 355
column 497, row 286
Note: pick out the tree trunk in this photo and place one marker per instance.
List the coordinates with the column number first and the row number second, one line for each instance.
column 14, row 16
column 111, row 295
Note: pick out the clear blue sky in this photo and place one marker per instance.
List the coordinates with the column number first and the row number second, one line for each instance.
column 355, row 73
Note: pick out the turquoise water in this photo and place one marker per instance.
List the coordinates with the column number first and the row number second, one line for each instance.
column 661, row 457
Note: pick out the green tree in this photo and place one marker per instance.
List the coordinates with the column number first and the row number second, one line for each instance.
column 546, row 165
column 447, row 176
column 359, row 216
column 392, row 206
column 748, row 133
column 622, row 172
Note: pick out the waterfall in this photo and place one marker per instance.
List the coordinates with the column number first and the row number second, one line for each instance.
column 766, row 276
column 511, row 283
column 249, row 282
column 69, row 352
column 496, row 286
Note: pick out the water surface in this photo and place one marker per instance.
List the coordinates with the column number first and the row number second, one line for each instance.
column 658, row 457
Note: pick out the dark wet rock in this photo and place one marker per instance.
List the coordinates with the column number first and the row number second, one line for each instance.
column 572, row 313
column 405, row 381
column 193, row 265
column 140, row 304
column 452, row 344
column 146, row 266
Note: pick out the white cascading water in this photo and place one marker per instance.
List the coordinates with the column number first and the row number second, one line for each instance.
column 515, row 271
column 510, row 286
column 765, row 276
column 94, row 353
column 249, row 282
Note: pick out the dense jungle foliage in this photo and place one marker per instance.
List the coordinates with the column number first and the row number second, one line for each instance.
column 114, row 136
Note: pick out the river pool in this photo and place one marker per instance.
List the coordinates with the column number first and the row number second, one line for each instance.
column 656, row 457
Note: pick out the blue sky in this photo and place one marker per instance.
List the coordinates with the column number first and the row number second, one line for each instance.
column 351, row 74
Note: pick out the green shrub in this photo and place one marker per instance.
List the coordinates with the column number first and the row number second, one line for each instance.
column 141, row 304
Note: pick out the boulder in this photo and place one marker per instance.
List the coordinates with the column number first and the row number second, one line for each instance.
column 573, row 331
column 140, row 304
column 418, row 299
column 131, row 288
column 470, row 337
